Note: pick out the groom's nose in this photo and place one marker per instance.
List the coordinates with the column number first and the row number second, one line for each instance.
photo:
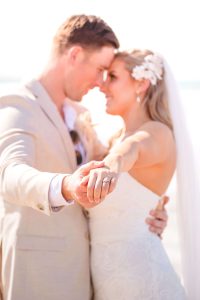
column 103, row 86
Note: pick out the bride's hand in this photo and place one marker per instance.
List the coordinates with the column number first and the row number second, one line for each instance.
column 100, row 182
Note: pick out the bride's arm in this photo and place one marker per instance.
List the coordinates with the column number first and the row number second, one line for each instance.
column 150, row 145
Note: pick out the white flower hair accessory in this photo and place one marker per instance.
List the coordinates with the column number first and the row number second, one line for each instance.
column 151, row 68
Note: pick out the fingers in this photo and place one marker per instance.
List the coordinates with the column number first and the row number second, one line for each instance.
column 156, row 231
column 159, row 215
column 105, row 187
column 157, row 224
column 112, row 185
column 82, row 198
column 83, row 201
column 162, row 202
column 91, row 187
column 165, row 199
column 159, row 219
column 156, row 227
column 101, row 182
column 98, row 188
column 85, row 169
column 85, row 180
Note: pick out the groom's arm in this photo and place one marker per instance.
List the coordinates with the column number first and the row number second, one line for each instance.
column 157, row 221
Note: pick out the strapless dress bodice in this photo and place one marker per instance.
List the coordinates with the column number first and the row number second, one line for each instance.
column 124, row 210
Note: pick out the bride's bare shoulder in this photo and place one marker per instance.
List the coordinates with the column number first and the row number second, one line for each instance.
column 158, row 129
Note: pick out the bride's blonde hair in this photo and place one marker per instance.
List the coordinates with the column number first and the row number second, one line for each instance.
column 155, row 99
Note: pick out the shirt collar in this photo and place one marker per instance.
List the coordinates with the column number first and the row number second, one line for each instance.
column 70, row 115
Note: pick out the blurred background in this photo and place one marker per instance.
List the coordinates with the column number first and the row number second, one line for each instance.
column 169, row 27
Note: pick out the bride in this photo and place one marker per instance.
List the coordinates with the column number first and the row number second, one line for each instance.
column 127, row 261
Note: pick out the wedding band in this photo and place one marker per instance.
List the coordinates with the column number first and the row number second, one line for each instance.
column 106, row 180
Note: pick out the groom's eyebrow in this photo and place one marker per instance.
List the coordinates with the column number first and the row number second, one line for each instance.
column 105, row 67
column 102, row 67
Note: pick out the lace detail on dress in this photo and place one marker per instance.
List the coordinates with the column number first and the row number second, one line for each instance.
column 128, row 262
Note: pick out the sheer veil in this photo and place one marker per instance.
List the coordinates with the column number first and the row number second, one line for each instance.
column 188, row 192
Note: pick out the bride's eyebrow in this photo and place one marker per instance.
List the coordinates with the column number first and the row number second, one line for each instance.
column 112, row 72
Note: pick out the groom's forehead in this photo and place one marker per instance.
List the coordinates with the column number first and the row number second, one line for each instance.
column 103, row 56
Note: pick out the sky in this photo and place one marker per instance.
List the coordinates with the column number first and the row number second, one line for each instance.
column 169, row 27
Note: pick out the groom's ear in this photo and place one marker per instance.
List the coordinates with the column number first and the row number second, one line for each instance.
column 75, row 54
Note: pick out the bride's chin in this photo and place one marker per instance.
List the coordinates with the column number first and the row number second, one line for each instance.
column 107, row 109
column 110, row 111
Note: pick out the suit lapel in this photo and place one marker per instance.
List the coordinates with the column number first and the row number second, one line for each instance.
column 51, row 111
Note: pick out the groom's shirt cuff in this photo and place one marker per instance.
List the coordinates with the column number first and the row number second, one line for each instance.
column 55, row 195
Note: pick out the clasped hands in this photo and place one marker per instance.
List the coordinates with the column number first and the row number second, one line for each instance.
column 90, row 184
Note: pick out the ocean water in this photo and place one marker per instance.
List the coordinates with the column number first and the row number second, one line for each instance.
column 107, row 125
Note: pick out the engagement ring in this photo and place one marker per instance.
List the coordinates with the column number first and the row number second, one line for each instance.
column 106, row 180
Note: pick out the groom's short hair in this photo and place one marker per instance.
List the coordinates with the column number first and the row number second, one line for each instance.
column 85, row 30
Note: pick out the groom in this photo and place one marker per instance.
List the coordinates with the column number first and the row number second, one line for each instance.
column 48, row 257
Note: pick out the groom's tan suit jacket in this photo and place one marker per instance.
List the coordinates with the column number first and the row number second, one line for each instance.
column 45, row 251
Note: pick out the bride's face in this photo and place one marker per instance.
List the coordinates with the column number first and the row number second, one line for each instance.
column 119, row 89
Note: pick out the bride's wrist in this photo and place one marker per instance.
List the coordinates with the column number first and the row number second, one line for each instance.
column 113, row 162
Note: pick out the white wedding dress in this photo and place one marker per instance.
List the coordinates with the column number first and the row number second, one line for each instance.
column 128, row 262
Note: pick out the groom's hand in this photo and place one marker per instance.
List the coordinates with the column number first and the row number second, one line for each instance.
column 74, row 187
column 158, row 221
